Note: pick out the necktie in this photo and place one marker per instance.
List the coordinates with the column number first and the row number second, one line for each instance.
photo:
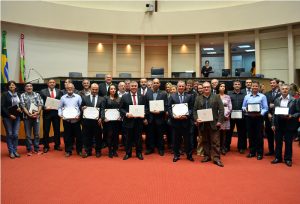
column 52, row 94
column 143, row 92
column 134, row 100
column 181, row 98
column 273, row 94
column 94, row 101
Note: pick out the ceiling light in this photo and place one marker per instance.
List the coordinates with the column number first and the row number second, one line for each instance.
column 208, row 49
column 244, row 46
column 211, row 53
column 250, row 50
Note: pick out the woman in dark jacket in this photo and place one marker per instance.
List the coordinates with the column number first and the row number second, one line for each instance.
column 111, row 101
column 10, row 112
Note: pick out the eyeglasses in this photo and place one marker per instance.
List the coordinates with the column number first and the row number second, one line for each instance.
column 206, row 87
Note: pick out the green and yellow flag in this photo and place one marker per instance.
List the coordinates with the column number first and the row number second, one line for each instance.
column 4, row 60
column 22, row 60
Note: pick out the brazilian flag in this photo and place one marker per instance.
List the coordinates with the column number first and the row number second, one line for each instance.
column 4, row 60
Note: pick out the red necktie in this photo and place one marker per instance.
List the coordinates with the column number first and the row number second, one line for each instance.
column 52, row 94
column 134, row 100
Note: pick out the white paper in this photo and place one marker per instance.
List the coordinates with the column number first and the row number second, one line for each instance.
column 112, row 114
column 91, row 113
column 236, row 114
column 254, row 107
column 33, row 108
column 157, row 105
column 137, row 110
column 52, row 103
column 69, row 113
column 205, row 115
column 180, row 109
column 281, row 111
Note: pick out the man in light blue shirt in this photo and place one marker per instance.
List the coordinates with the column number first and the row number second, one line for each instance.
column 254, row 120
column 71, row 126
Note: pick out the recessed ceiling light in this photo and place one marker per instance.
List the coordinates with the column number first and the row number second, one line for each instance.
column 211, row 53
column 250, row 50
column 244, row 46
column 208, row 49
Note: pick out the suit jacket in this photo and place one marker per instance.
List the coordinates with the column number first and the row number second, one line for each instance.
column 271, row 99
column 86, row 101
column 216, row 104
column 126, row 100
column 158, row 118
column 102, row 89
column 288, row 123
column 174, row 99
column 46, row 93
column 140, row 91
column 5, row 103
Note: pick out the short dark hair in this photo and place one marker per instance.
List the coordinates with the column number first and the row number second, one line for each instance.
column 275, row 79
column 9, row 83
column 206, row 61
column 256, row 82
column 218, row 87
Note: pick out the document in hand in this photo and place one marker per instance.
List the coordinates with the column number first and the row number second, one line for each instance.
column 180, row 109
column 137, row 110
column 205, row 115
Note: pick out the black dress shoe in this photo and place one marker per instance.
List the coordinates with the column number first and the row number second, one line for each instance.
column 219, row 163
column 206, row 159
column 58, row 148
column 126, row 157
column 269, row 154
column 175, row 159
column 46, row 150
column 98, row 154
column 140, row 156
column 276, row 161
column 149, row 151
column 250, row 155
column 190, row 158
column 259, row 157
column 161, row 152
column 288, row 163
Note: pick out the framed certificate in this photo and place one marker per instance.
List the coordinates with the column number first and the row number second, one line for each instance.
column 70, row 113
column 137, row 110
column 281, row 111
column 52, row 103
column 33, row 108
column 112, row 114
column 236, row 114
column 205, row 115
column 91, row 113
column 180, row 109
column 157, row 105
column 253, row 107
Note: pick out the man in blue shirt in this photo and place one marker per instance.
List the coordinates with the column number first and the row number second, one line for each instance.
column 71, row 126
column 254, row 120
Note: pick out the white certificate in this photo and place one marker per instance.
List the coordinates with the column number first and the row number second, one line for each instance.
column 253, row 107
column 180, row 109
column 52, row 103
column 281, row 111
column 157, row 105
column 205, row 115
column 112, row 114
column 237, row 114
column 70, row 113
column 91, row 113
column 33, row 108
column 137, row 110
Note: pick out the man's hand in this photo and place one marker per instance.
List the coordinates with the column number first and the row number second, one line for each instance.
column 129, row 115
column 12, row 117
column 145, row 122
column 83, row 107
column 271, row 105
column 218, row 124
column 155, row 112
column 273, row 128
column 99, row 122
column 199, row 121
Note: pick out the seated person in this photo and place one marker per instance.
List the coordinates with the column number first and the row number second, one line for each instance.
column 206, row 69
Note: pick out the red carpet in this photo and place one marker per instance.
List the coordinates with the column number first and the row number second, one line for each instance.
column 52, row 178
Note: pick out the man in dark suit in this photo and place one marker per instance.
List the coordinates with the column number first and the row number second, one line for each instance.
column 156, row 119
column 143, row 87
column 248, row 89
column 133, row 124
column 103, row 87
column 285, row 126
column 50, row 115
column 92, row 128
column 181, row 124
column 271, row 95
column 210, row 130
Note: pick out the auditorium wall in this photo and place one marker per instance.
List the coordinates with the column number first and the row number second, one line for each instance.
column 47, row 51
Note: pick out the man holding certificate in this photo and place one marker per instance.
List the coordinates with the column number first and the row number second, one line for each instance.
column 255, row 106
column 285, row 124
column 69, row 111
column 134, row 110
column 91, row 122
column 180, row 111
column 158, row 105
column 51, row 97
column 209, row 115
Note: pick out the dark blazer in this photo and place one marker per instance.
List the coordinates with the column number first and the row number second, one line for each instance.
column 215, row 103
column 107, row 103
column 158, row 118
column 124, row 108
column 174, row 99
column 288, row 123
column 140, row 91
column 270, row 99
column 86, row 101
column 6, row 103
column 102, row 89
